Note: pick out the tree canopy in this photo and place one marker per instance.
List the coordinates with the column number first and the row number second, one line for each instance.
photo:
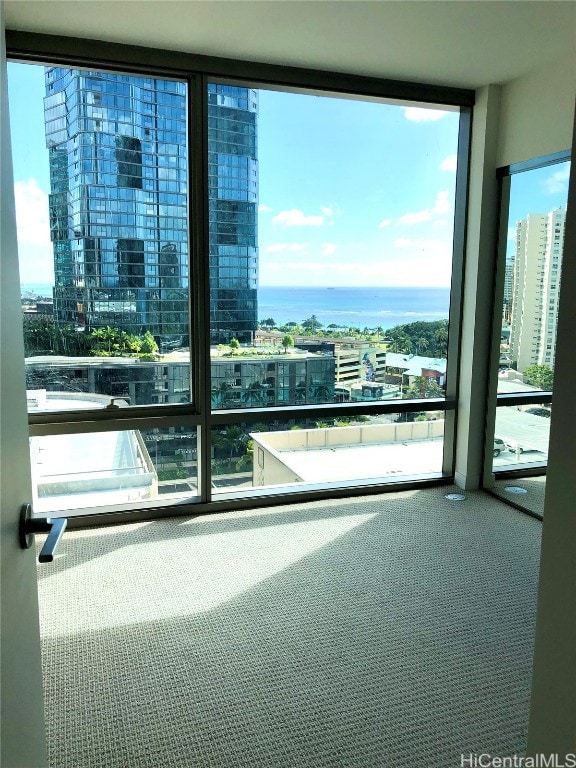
column 287, row 341
column 541, row 376
column 429, row 339
column 42, row 336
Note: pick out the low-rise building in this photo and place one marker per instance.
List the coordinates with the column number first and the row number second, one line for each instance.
column 413, row 366
column 238, row 381
column 337, row 453
column 87, row 469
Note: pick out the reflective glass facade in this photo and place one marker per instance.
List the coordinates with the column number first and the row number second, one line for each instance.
column 118, row 205
column 233, row 204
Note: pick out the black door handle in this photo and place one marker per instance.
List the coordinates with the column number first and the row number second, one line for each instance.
column 53, row 526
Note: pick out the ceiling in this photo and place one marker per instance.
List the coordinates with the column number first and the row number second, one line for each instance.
column 465, row 43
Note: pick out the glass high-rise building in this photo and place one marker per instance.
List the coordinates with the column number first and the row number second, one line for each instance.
column 233, row 206
column 118, row 205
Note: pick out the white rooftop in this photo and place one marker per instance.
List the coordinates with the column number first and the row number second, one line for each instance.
column 413, row 364
column 363, row 462
column 90, row 468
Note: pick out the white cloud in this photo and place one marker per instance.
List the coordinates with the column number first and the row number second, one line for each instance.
column 442, row 204
column 297, row 218
column 32, row 217
column 35, row 253
column 416, row 217
column 406, row 269
column 328, row 249
column 423, row 114
column 385, row 223
column 327, row 211
column 449, row 163
column 557, row 182
column 287, row 247
column 264, row 208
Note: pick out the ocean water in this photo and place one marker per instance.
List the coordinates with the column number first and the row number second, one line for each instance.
column 347, row 307
column 354, row 307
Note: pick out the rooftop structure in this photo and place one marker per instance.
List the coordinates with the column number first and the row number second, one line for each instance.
column 243, row 380
column 339, row 453
column 82, row 470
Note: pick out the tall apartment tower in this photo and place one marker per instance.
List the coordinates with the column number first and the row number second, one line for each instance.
column 536, row 286
column 119, row 203
column 233, row 211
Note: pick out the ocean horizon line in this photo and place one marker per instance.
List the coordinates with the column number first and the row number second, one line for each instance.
column 353, row 287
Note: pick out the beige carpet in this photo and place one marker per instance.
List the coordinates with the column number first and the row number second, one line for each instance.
column 391, row 630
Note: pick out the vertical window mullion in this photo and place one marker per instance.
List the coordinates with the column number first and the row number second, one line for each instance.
column 457, row 286
column 200, row 272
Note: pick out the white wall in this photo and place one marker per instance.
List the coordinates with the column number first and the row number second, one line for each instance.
column 553, row 706
column 21, row 709
column 537, row 112
column 537, row 119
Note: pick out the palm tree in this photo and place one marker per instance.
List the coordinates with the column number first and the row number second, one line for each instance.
column 222, row 396
column 254, row 396
column 312, row 324
column 319, row 393
column 441, row 338
column 421, row 346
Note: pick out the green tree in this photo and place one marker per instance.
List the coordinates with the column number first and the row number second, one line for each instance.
column 541, row 376
column 234, row 345
column 433, row 389
column 287, row 341
column 441, row 336
column 221, row 397
column 428, row 338
column 268, row 323
column 103, row 341
column 42, row 336
column 421, row 345
column 312, row 324
column 246, row 461
column 148, row 344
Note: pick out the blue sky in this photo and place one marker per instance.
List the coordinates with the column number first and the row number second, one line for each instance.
column 351, row 193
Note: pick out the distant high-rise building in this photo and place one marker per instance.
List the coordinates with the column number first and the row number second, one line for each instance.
column 119, row 204
column 508, row 289
column 536, row 286
column 233, row 210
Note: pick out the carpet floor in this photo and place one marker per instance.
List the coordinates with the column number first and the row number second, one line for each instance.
column 389, row 630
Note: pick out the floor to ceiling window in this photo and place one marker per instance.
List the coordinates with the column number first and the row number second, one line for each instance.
column 230, row 290
column 533, row 220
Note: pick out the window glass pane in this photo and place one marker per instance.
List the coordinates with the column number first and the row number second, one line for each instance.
column 362, row 449
column 331, row 224
column 121, row 469
column 521, row 436
column 537, row 217
column 100, row 167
